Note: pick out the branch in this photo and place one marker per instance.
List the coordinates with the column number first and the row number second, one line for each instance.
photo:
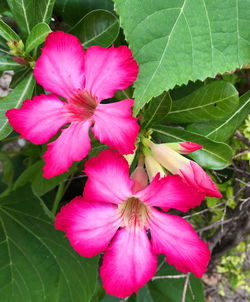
column 184, row 293
column 168, row 277
column 241, row 153
column 242, row 138
column 220, row 222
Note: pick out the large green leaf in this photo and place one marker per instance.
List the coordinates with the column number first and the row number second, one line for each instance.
column 28, row 13
column 6, row 63
column 99, row 27
column 71, row 11
column 221, row 131
column 37, row 36
column 14, row 100
column 157, row 110
column 7, row 32
column 176, row 41
column 213, row 101
column 37, row 263
column 213, row 155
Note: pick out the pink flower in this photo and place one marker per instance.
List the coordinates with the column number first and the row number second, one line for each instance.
column 83, row 79
column 189, row 170
column 115, row 218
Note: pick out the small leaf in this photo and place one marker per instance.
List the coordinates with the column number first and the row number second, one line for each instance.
column 221, row 131
column 157, row 110
column 27, row 13
column 39, row 184
column 7, row 63
column 37, row 36
column 14, row 99
column 213, row 101
column 37, row 263
column 7, row 32
column 213, row 155
column 99, row 27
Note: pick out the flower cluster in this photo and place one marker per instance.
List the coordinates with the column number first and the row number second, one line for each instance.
column 119, row 214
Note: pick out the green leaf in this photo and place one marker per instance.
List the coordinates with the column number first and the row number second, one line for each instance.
column 176, row 41
column 7, row 32
column 71, row 11
column 6, row 63
column 143, row 295
column 213, row 155
column 221, row 131
column 171, row 290
column 18, row 76
column 40, row 185
column 3, row 45
column 157, row 110
column 37, row 263
column 213, row 101
column 3, row 6
column 14, row 100
column 7, row 169
column 27, row 13
column 37, row 36
column 99, row 27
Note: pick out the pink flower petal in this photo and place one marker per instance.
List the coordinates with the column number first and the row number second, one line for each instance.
column 170, row 192
column 189, row 147
column 128, row 264
column 175, row 238
column 88, row 226
column 115, row 126
column 109, row 70
column 38, row 119
column 72, row 145
column 196, row 176
column 60, row 68
column 108, row 178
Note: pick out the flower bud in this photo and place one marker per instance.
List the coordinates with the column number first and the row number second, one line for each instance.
column 189, row 170
column 16, row 48
column 184, row 147
column 19, row 60
column 129, row 158
column 152, row 166
column 140, row 179
column 168, row 158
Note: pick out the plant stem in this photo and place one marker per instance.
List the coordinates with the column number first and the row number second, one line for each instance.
column 4, row 51
column 59, row 194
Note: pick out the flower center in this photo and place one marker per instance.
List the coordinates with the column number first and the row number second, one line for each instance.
column 134, row 213
column 82, row 105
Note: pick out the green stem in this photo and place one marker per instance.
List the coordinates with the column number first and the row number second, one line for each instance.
column 4, row 51
column 59, row 194
column 68, row 183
